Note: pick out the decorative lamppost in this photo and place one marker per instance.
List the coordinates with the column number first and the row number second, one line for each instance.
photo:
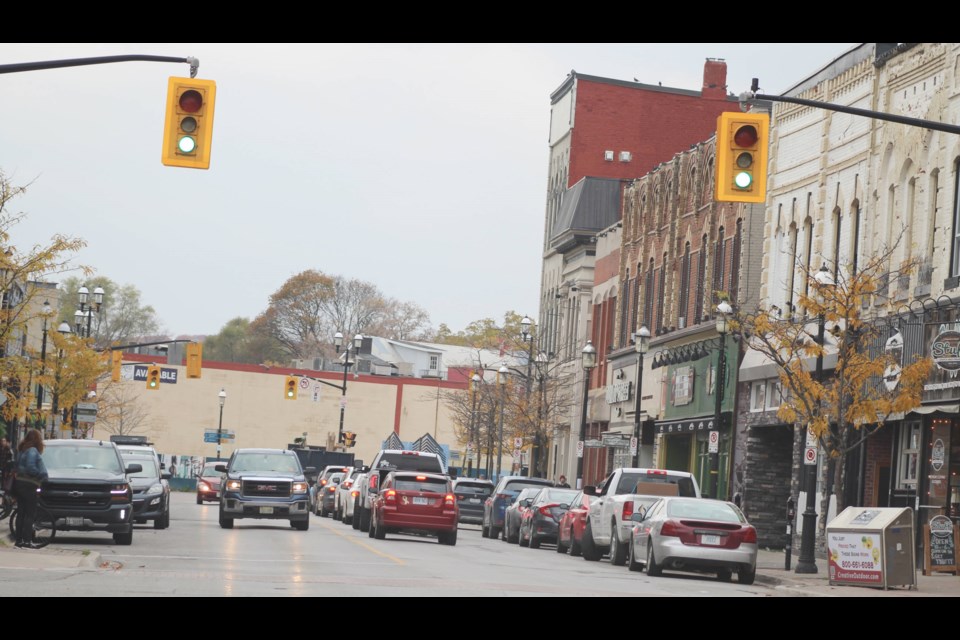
column 502, row 382
column 223, row 398
column 338, row 343
column 641, row 341
column 64, row 330
column 475, row 381
column 87, row 309
column 527, row 337
column 47, row 312
column 588, row 360
column 724, row 311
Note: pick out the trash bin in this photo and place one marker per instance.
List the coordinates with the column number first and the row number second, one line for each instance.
column 872, row 547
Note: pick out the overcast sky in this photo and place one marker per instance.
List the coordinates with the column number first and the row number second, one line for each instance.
column 419, row 168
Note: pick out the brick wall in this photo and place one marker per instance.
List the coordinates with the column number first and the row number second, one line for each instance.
column 878, row 456
column 768, row 470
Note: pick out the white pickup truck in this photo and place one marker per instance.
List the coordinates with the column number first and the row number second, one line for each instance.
column 622, row 493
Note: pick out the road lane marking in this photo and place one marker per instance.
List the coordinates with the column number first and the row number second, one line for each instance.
column 360, row 543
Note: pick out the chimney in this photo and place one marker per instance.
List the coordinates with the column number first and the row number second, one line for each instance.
column 714, row 79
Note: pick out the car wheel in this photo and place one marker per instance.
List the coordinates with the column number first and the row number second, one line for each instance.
column 653, row 569
column 504, row 533
column 524, row 542
column 301, row 525
column 199, row 499
column 372, row 529
column 495, row 531
column 123, row 538
column 618, row 552
column 225, row 522
column 587, row 547
column 484, row 531
column 356, row 515
column 534, row 540
column 448, row 538
column 746, row 576
column 365, row 520
column 561, row 548
column 575, row 550
column 380, row 533
column 632, row 563
column 163, row 521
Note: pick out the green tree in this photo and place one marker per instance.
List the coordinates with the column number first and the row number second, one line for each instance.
column 123, row 318
column 239, row 342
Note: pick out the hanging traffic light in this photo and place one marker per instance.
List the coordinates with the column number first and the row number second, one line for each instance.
column 194, row 359
column 290, row 388
column 742, row 142
column 116, row 360
column 153, row 378
column 349, row 438
column 188, row 127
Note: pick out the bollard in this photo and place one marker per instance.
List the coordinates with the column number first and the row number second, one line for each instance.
column 791, row 516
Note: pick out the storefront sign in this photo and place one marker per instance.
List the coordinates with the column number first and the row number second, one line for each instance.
column 619, row 391
column 615, row 440
column 682, row 386
column 685, row 426
column 939, row 455
column 945, row 350
column 855, row 558
column 940, row 545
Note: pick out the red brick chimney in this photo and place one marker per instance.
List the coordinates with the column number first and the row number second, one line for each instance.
column 714, row 79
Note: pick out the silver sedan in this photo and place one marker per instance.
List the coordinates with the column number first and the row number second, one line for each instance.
column 694, row 534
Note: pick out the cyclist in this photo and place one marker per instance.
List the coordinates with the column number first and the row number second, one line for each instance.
column 31, row 473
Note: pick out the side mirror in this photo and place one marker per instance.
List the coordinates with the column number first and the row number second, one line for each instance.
column 637, row 517
column 527, row 502
column 166, row 476
column 336, row 481
column 134, row 468
column 565, row 506
column 590, row 490
column 222, row 468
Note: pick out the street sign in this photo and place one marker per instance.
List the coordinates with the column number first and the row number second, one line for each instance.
column 714, row 442
column 633, row 446
column 86, row 417
column 580, row 448
column 810, row 456
column 210, row 435
column 343, row 402
column 593, row 444
column 516, row 454
column 518, row 443
column 87, row 406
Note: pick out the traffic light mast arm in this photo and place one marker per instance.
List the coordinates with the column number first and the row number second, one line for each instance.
column 81, row 62
column 749, row 96
column 329, row 384
column 121, row 347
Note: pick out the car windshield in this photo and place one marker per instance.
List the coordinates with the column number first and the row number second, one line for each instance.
column 519, row 485
column 430, row 485
column 81, row 457
column 481, row 490
column 628, row 483
column 149, row 465
column 561, row 496
column 265, row 462
column 704, row 510
column 410, row 462
column 210, row 470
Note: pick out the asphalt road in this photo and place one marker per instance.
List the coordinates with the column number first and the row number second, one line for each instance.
column 195, row 557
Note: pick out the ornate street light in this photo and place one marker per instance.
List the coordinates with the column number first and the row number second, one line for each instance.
column 588, row 360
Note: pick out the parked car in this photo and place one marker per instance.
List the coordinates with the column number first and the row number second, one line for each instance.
column 88, row 488
column 350, row 505
column 694, row 534
column 151, row 489
column 540, row 521
column 503, row 496
column 471, row 493
column 208, row 483
column 265, row 483
column 343, row 493
column 513, row 514
column 417, row 503
column 327, row 495
column 572, row 523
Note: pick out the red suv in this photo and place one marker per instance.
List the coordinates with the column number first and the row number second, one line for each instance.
column 415, row 502
column 572, row 524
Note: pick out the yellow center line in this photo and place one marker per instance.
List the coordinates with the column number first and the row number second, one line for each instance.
column 361, row 543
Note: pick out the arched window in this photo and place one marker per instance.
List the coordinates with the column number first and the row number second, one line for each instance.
column 682, row 308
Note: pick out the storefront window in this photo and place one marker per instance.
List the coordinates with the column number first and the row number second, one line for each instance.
column 909, row 456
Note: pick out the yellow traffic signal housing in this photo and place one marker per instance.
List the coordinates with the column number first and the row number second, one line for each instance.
column 194, row 359
column 349, row 438
column 188, row 127
column 290, row 388
column 153, row 378
column 742, row 143
column 116, row 360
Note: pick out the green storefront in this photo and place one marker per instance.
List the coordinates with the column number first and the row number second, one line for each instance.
column 689, row 411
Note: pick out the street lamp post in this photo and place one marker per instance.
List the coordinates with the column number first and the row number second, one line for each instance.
column 223, row 398
column 527, row 337
column 807, row 562
column 338, row 343
column 724, row 311
column 502, row 382
column 541, row 432
column 47, row 312
column 64, row 330
column 475, row 379
column 642, row 344
column 588, row 361
column 87, row 309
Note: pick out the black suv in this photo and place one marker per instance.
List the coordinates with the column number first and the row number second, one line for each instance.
column 88, row 488
column 265, row 483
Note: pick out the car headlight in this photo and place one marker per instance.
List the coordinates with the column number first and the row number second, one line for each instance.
column 155, row 490
column 233, row 485
column 300, row 487
column 203, row 486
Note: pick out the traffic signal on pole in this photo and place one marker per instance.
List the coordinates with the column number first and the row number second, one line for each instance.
column 194, row 359
column 742, row 143
column 290, row 388
column 188, row 127
column 349, row 438
column 153, row 378
column 116, row 360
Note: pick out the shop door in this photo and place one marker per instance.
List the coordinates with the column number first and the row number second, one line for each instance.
column 678, row 452
column 702, row 471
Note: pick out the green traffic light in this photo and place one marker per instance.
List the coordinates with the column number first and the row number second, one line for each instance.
column 186, row 144
column 743, row 180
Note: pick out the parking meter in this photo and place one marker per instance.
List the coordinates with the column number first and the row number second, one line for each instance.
column 791, row 517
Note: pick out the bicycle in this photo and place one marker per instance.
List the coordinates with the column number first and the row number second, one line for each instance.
column 7, row 504
column 44, row 526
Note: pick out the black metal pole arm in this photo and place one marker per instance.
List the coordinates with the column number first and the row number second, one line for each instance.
column 81, row 62
column 342, row 388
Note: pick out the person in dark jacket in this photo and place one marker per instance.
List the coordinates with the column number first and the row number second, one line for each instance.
column 31, row 473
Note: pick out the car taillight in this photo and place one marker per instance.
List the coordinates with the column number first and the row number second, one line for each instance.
column 348, row 484
column 748, row 534
column 374, row 481
column 545, row 509
column 354, row 494
column 421, row 478
column 390, row 495
column 627, row 510
column 449, row 500
column 671, row 528
column 331, row 489
column 656, row 472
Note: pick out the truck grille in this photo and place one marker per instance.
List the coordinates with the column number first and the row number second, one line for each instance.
column 81, row 496
column 265, row 489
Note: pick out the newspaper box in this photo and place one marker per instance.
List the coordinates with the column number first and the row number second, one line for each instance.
column 872, row 547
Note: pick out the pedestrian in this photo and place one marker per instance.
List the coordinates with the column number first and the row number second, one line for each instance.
column 562, row 482
column 6, row 465
column 31, row 473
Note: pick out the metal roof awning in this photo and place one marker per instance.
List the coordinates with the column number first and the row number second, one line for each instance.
column 926, row 410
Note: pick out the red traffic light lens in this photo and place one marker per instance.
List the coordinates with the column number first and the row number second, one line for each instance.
column 191, row 101
column 746, row 136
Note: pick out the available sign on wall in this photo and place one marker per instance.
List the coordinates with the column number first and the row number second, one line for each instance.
column 168, row 376
column 855, row 558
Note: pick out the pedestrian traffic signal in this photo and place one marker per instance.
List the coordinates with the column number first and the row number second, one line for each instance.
column 349, row 438
column 194, row 359
column 742, row 142
column 290, row 388
column 188, row 127
column 153, row 378
column 116, row 360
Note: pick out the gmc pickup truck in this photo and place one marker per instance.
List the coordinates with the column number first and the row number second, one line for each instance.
column 622, row 493
column 265, row 483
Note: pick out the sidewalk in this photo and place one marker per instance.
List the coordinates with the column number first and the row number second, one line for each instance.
column 47, row 558
column 771, row 572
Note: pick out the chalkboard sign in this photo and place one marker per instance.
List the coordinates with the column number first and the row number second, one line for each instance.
column 940, row 544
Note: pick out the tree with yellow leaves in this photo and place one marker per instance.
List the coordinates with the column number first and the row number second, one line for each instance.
column 867, row 386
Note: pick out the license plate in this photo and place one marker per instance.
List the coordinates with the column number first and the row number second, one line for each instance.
column 266, row 510
column 474, row 500
column 74, row 522
column 712, row 540
column 421, row 500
